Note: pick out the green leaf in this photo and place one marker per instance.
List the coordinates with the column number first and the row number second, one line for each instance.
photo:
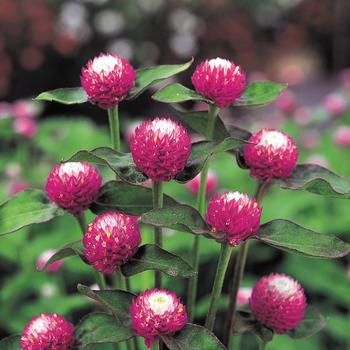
column 131, row 199
column 10, row 343
column 287, row 235
column 202, row 152
column 152, row 257
column 246, row 323
column 259, row 94
column 181, row 218
column 117, row 301
column 121, row 163
column 311, row 324
column 177, row 93
column 26, row 208
column 66, row 96
column 318, row 180
column 99, row 328
column 147, row 77
column 71, row 249
column 193, row 337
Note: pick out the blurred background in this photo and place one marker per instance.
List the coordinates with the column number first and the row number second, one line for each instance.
column 44, row 44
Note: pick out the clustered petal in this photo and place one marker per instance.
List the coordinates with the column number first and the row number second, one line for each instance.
column 271, row 154
column 234, row 214
column 155, row 312
column 47, row 331
column 219, row 80
column 73, row 186
column 160, row 148
column 107, row 79
column 278, row 302
column 110, row 240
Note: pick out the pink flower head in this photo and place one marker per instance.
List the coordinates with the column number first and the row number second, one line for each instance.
column 73, row 186
column 45, row 257
column 335, row 104
column 26, row 127
column 131, row 129
column 160, row 148
column 110, row 240
column 107, row 79
column 243, row 295
column 278, row 302
column 219, row 80
column 18, row 186
column 287, row 102
column 341, row 136
column 155, row 312
column 210, row 186
column 47, row 331
column 234, row 214
column 271, row 154
column 24, row 109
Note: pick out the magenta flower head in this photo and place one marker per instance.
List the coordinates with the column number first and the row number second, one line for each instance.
column 107, row 79
column 243, row 295
column 160, row 148
column 219, row 80
column 210, row 186
column 271, row 154
column 234, row 214
column 155, row 312
column 47, row 331
column 278, row 302
column 73, row 186
column 45, row 257
column 341, row 136
column 110, row 240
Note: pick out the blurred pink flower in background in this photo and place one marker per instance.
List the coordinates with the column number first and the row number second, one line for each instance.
column 309, row 139
column 211, row 184
column 26, row 127
column 303, row 116
column 287, row 102
column 5, row 110
column 345, row 78
column 45, row 257
column 24, row 109
column 341, row 136
column 243, row 295
column 17, row 186
column 335, row 104
column 317, row 159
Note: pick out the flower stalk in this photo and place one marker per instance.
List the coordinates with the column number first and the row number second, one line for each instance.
column 113, row 117
column 263, row 345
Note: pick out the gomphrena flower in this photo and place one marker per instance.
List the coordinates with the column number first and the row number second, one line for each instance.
column 278, row 302
column 155, row 312
column 210, row 186
column 234, row 214
column 160, row 148
column 219, row 80
column 271, row 154
column 110, row 240
column 45, row 257
column 47, row 331
column 107, row 79
column 73, row 186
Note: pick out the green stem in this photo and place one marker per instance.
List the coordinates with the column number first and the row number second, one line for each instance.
column 263, row 345
column 261, row 190
column 100, row 279
column 157, row 190
column 82, row 222
column 155, row 346
column 235, row 344
column 213, row 111
column 113, row 117
column 224, row 259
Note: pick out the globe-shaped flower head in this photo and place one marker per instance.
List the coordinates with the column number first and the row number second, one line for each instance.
column 271, row 154
column 219, row 80
column 160, row 148
column 234, row 214
column 278, row 302
column 110, row 240
column 47, row 331
column 107, row 79
column 155, row 312
column 73, row 186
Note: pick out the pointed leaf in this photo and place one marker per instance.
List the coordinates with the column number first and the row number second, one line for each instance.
column 193, row 337
column 131, row 199
column 147, row 77
column 99, row 328
column 71, row 249
column 152, row 257
column 26, row 208
column 312, row 323
column 259, row 94
column 66, row 96
column 287, row 235
column 10, row 343
column 117, row 301
column 177, row 93
column 121, row 163
column 318, row 180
